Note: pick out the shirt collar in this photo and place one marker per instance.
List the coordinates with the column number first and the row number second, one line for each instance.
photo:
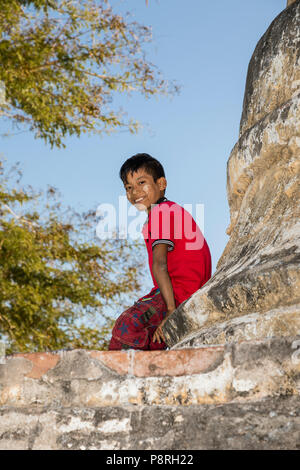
column 161, row 199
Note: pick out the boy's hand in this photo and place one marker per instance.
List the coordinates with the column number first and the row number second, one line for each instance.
column 158, row 335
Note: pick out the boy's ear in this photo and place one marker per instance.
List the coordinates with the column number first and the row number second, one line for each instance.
column 162, row 183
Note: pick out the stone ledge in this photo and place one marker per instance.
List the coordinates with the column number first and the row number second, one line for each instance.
column 237, row 372
column 268, row 424
column 134, row 363
column 40, row 362
column 279, row 322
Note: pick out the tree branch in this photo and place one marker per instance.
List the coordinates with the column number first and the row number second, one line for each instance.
column 19, row 217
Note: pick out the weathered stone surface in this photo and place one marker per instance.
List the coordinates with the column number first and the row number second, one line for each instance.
column 273, row 73
column 241, row 396
column 283, row 321
column 203, row 375
column 257, row 283
column 267, row 424
column 232, row 379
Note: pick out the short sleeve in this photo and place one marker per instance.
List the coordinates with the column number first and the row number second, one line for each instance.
column 162, row 225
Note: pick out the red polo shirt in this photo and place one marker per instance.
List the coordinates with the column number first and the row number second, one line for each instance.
column 189, row 259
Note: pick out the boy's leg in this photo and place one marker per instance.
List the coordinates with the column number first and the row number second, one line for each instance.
column 115, row 345
column 134, row 329
column 129, row 332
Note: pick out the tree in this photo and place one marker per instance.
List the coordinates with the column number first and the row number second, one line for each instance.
column 54, row 272
column 63, row 61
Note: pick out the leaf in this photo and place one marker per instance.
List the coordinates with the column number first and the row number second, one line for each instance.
column 63, row 62
column 57, row 282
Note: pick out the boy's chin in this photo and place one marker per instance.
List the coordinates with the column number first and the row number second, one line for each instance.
column 140, row 207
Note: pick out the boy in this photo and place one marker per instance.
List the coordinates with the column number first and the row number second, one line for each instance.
column 179, row 257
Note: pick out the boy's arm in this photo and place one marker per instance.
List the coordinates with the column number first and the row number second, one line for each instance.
column 160, row 272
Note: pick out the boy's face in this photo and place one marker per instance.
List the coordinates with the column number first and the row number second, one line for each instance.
column 142, row 191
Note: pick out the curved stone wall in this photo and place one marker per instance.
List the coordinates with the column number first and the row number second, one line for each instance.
column 255, row 292
column 273, row 76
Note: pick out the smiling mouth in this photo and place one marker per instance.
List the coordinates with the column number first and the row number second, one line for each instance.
column 139, row 200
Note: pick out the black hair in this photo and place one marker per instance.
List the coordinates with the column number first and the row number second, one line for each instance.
column 142, row 160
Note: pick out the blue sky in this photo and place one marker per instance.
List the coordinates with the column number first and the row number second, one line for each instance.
column 206, row 47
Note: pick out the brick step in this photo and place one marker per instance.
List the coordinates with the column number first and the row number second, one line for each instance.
column 240, row 372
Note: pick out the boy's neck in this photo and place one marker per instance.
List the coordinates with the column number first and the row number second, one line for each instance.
column 161, row 199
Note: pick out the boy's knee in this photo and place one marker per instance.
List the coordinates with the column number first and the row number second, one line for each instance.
column 114, row 345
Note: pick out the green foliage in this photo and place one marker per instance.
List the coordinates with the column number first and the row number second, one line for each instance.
column 63, row 61
column 54, row 273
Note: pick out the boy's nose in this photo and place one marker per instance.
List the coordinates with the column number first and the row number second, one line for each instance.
column 135, row 191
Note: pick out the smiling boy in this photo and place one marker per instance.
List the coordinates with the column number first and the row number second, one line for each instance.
column 179, row 257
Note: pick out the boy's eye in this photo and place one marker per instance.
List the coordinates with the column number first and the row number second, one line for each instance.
column 142, row 182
